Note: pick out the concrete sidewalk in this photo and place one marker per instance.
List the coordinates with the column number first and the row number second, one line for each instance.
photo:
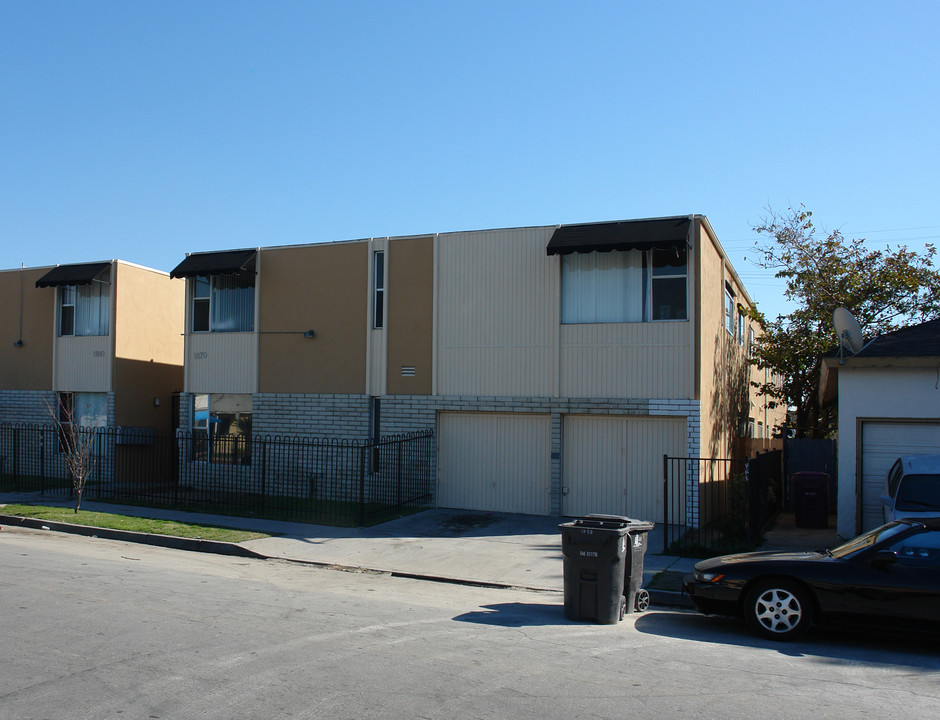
column 461, row 546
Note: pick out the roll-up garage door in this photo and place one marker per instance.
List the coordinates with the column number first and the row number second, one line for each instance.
column 884, row 442
column 614, row 465
column 495, row 461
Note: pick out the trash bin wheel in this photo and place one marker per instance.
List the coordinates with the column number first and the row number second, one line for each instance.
column 623, row 607
column 642, row 602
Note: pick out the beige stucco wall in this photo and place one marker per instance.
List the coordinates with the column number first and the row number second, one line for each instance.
column 409, row 301
column 630, row 360
column 148, row 345
column 23, row 305
column 497, row 313
column 499, row 329
column 84, row 363
column 323, row 288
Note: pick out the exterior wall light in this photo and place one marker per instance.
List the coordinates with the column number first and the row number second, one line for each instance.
column 310, row 334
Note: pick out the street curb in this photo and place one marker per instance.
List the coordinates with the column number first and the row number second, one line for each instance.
column 664, row 598
column 191, row 544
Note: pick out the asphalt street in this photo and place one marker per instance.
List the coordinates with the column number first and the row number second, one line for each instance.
column 96, row 628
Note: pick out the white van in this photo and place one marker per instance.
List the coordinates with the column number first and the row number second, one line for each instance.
column 912, row 488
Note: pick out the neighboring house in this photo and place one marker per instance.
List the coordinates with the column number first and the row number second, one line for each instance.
column 100, row 338
column 557, row 364
column 889, row 405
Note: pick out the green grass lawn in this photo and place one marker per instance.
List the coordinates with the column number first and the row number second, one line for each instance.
column 127, row 522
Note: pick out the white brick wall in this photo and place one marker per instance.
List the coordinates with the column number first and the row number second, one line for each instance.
column 348, row 417
column 26, row 406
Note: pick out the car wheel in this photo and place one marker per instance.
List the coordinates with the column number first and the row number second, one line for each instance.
column 778, row 609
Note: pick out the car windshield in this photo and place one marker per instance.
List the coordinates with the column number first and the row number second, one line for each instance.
column 872, row 537
column 918, row 493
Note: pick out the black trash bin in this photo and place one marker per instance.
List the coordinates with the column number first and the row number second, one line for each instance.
column 637, row 598
column 811, row 499
column 603, row 570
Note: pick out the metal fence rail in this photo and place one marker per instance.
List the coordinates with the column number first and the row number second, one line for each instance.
column 715, row 506
column 329, row 481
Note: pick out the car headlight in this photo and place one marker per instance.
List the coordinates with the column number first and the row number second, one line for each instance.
column 708, row 577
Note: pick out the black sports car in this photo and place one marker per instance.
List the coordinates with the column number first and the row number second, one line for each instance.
column 889, row 574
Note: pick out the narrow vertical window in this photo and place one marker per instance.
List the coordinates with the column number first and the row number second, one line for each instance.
column 65, row 407
column 65, row 415
column 740, row 325
column 378, row 289
column 67, row 310
column 729, row 312
column 200, row 427
column 200, row 304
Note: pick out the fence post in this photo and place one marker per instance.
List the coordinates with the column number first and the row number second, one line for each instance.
column 665, row 502
column 264, row 473
column 362, row 486
column 400, row 443
column 16, row 458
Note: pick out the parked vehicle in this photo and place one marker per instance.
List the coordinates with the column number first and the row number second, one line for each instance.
column 888, row 575
column 912, row 488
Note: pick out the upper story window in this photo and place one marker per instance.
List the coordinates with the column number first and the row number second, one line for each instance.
column 729, row 311
column 223, row 303
column 378, row 289
column 85, row 309
column 624, row 286
column 669, row 284
column 740, row 326
column 221, row 290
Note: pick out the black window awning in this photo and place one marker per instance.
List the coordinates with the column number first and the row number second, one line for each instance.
column 626, row 235
column 226, row 262
column 82, row 274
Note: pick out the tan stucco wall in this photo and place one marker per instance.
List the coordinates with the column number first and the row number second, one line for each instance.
column 148, row 345
column 727, row 396
column 28, row 367
column 410, row 315
column 714, row 345
column 323, row 288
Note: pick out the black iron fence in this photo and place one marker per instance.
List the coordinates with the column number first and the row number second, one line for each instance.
column 317, row 480
column 717, row 506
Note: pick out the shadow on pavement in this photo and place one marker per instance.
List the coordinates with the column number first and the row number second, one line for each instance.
column 877, row 647
column 517, row 615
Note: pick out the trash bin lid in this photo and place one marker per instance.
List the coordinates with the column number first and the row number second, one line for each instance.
column 613, row 520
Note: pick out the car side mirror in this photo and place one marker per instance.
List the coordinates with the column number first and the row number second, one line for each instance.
column 885, row 500
column 883, row 558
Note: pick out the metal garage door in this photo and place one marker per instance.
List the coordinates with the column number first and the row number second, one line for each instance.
column 614, row 465
column 495, row 461
column 882, row 444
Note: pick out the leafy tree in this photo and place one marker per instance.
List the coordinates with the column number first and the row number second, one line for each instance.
column 885, row 290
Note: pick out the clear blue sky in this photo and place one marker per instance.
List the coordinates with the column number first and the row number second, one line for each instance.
column 143, row 130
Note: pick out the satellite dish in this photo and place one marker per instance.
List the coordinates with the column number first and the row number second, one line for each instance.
column 848, row 330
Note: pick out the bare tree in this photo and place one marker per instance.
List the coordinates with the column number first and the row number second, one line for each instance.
column 77, row 444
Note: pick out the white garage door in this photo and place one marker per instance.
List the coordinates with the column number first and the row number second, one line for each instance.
column 614, row 465
column 882, row 444
column 495, row 461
